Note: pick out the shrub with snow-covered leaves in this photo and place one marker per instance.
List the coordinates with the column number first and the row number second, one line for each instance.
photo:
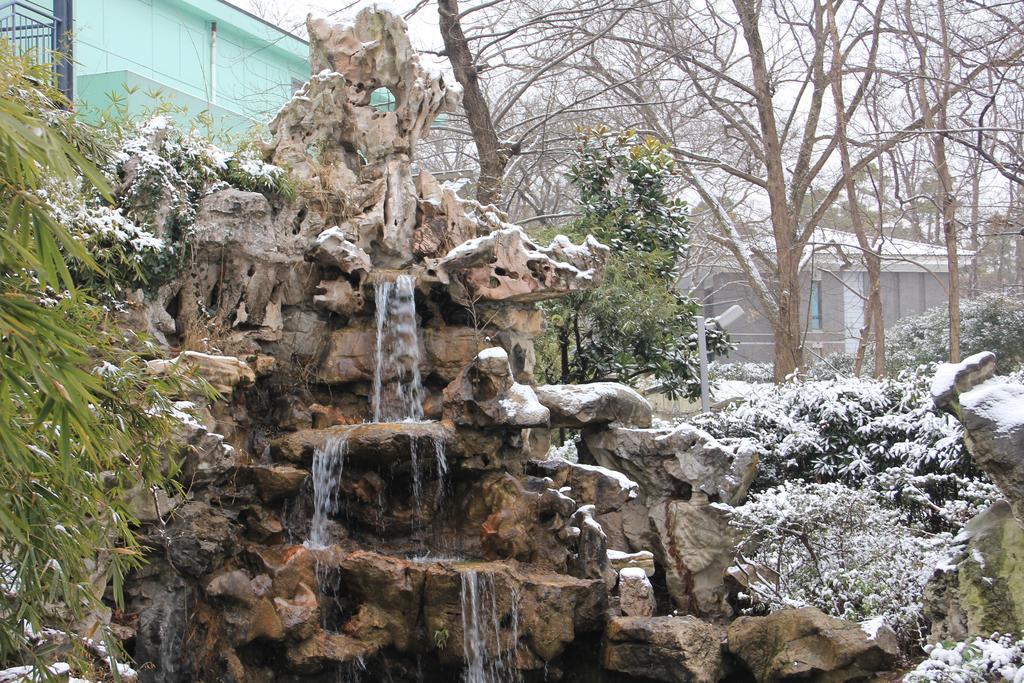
column 840, row 549
column 883, row 434
column 990, row 322
column 755, row 373
column 159, row 173
column 999, row 658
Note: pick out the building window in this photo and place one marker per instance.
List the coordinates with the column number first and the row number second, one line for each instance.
column 815, row 312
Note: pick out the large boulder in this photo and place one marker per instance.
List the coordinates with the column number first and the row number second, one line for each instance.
column 486, row 395
column 672, row 649
column 577, row 405
column 506, row 265
column 981, row 591
column 807, row 643
column 682, row 474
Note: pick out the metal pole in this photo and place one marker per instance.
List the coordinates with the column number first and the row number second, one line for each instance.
column 702, row 350
column 213, row 64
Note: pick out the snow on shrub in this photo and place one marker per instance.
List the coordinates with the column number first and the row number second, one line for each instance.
column 882, row 434
column 990, row 322
column 159, row 175
column 840, row 549
column 999, row 658
column 755, row 373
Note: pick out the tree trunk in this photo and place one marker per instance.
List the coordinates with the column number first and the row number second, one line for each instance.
column 947, row 202
column 872, row 258
column 936, row 119
column 789, row 353
column 493, row 157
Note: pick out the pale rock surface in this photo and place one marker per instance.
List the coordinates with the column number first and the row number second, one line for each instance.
column 992, row 412
column 224, row 373
column 332, row 248
column 682, row 473
column 338, row 296
column 333, row 114
column 636, row 595
column 486, row 395
column 275, row 482
column 641, row 559
column 578, row 405
column 981, row 590
column 605, row 489
column 507, row 266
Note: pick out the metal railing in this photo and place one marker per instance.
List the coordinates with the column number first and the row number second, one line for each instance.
column 40, row 35
column 32, row 30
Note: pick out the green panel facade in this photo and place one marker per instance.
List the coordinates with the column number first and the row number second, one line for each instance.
column 201, row 54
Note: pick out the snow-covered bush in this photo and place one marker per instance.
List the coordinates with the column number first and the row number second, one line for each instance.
column 999, row 658
column 159, row 174
column 832, row 366
column 883, row 434
column 755, row 373
column 567, row 451
column 991, row 322
column 840, row 549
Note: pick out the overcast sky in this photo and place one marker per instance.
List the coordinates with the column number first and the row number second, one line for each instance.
column 291, row 15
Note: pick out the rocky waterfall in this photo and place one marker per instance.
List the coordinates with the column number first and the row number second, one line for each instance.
column 370, row 498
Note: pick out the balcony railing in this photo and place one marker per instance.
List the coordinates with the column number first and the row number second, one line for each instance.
column 41, row 35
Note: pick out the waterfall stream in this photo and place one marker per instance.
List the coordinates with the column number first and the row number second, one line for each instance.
column 441, row 460
column 397, row 396
column 481, row 621
column 328, row 464
column 397, row 386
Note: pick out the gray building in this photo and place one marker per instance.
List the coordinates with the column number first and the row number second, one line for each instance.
column 834, row 288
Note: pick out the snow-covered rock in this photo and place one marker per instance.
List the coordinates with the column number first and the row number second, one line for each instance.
column 506, row 265
column 992, row 412
column 578, row 405
column 486, row 394
column 807, row 643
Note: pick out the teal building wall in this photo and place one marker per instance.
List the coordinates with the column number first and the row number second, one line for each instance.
column 241, row 73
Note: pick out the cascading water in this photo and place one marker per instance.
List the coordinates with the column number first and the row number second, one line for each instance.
column 417, row 482
column 397, row 386
column 397, row 397
column 442, row 471
column 481, row 620
column 328, row 464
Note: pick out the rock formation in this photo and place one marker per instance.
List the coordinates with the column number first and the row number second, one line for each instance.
column 681, row 473
column 369, row 495
column 981, row 590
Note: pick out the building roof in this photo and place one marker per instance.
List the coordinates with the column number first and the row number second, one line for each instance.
column 837, row 248
column 826, row 238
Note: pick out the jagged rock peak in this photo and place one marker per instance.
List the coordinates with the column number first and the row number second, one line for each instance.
column 350, row 62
